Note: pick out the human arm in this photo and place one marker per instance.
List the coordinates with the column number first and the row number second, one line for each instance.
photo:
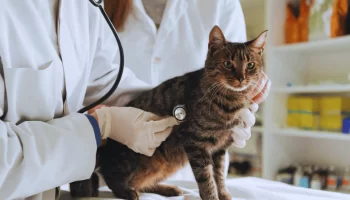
column 36, row 156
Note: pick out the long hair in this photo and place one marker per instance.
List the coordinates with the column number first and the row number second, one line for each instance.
column 118, row 11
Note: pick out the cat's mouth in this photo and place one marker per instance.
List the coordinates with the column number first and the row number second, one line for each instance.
column 237, row 89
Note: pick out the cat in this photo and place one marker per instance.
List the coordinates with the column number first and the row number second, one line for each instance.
column 211, row 96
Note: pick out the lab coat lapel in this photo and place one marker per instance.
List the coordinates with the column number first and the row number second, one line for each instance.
column 174, row 10
column 72, row 52
column 141, row 15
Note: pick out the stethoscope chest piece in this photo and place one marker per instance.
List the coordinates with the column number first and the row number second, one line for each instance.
column 179, row 112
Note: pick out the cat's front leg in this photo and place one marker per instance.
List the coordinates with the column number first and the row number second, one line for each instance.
column 201, row 164
column 219, row 174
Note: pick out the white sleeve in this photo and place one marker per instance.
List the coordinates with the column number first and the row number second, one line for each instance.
column 105, row 67
column 232, row 21
column 38, row 156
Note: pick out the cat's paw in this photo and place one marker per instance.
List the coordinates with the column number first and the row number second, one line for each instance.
column 172, row 191
column 224, row 195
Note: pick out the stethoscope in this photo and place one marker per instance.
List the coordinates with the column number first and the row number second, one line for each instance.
column 179, row 111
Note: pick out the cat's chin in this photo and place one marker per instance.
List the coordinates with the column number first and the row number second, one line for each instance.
column 237, row 89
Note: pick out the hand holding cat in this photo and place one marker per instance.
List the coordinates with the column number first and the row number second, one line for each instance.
column 141, row 131
column 260, row 92
column 243, row 133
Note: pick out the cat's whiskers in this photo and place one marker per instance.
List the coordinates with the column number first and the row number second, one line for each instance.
column 213, row 95
column 222, row 86
column 208, row 91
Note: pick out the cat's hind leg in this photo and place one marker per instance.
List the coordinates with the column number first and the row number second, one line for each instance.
column 85, row 188
column 164, row 190
column 118, row 164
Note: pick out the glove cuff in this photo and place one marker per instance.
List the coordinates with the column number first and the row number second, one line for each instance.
column 104, row 121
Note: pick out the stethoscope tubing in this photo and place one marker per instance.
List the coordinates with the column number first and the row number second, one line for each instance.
column 121, row 64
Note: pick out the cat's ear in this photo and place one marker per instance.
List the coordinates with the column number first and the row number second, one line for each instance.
column 216, row 37
column 259, row 42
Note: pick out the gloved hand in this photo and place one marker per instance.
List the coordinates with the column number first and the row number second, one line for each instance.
column 141, row 131
column 242, row 133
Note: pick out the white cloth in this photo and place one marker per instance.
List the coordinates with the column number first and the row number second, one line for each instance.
column 180, row 45
column 240, row 188
column 44, row 144
column 181, row 42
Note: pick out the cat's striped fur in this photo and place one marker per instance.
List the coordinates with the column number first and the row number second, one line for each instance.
column 212, row 97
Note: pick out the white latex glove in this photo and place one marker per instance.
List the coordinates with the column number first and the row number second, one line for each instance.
column 242, row 133
column 141, row 131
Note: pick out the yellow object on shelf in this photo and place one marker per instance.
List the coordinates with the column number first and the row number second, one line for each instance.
column 309, row 112
column 336, row 105
column 309, row 105
column 331, row 123
column 333, row 110
column 293, row 117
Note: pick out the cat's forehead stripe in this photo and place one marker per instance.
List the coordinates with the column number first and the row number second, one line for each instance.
column 240, row 50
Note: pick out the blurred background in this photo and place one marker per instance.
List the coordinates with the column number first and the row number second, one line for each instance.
column 302, row 136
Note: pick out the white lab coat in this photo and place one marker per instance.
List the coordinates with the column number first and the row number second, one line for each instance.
column 43, row 143
column 181, row 43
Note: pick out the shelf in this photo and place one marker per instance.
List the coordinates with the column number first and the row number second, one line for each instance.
column 332, row 44
column 314, row 89
column 312, row 134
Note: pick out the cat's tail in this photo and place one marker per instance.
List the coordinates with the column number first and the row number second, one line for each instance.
column 85, row 188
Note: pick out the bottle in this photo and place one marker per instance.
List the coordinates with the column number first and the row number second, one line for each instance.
column 316, row 182
column 297, row 175
column 346, row 179
column 331, row 179
column 305, row 179
column 323, row 172
column 315, row 178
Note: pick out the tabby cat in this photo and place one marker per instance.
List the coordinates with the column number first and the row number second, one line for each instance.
column 212, row 96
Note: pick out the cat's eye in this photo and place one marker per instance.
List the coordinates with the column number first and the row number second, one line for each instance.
column 251, row 66
column 228, row 65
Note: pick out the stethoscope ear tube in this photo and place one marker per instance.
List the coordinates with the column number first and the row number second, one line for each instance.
column 121, row 64
column 96, row 3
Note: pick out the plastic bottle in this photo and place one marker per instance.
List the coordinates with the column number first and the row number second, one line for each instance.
column 305, row 179
column 297, row 175
column 316, row 181
column 323, row 172
column 331, row 179
column 346, row 179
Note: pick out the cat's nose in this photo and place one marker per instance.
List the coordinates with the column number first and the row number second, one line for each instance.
column 241, row 80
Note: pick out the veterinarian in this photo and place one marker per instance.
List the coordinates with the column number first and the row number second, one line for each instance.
column 58, row 55
column 169, row 38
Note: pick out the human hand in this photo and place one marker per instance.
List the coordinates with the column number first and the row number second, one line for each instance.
column 92, row 110
column 141, row 131
column 242, row 133
column 260, row 92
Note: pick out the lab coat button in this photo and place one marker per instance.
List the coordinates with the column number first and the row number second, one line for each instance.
column 156, row 60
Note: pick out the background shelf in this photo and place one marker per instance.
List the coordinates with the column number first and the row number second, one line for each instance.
column 314, row 89
column 327, row 45
column 312, row 134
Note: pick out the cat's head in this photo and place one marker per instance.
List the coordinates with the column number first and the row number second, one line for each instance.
column 235, row 65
